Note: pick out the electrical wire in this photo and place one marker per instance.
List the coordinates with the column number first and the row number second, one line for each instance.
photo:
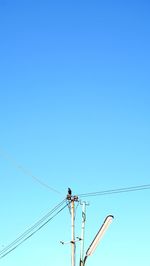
column 114, row 191
column 6, row 156
column 32, row 230
column 44, row 220
column 6, row 253
column 34, row 226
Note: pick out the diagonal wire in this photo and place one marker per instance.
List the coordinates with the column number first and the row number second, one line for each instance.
column 32, row 228
column 39, row 228
column 114, row 191
column 6, row 156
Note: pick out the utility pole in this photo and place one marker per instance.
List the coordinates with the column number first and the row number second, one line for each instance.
column 71, row 204
column 72, row 200
column 84, row 204
column 72, row 233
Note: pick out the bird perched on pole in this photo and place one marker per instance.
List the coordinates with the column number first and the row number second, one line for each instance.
column 69, row 193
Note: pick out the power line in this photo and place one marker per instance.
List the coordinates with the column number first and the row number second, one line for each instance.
column 32, row 230
column 5, row 254
column 44, row 220
column 33, row 227
column 6, row 156
column 114, row 191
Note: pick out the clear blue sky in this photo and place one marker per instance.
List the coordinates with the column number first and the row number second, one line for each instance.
column 75, row 111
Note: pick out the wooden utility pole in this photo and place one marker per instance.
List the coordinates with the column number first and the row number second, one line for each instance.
column 72, row 234
column 72, row 200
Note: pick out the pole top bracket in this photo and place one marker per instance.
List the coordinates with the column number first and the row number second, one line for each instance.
column 70, row 197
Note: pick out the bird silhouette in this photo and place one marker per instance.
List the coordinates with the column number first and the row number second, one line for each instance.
column 69, row 191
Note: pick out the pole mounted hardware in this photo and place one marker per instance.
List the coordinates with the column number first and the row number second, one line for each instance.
column 64, row 243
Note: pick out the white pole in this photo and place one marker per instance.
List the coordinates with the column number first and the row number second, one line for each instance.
column 82, row 232
column 72, row 234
